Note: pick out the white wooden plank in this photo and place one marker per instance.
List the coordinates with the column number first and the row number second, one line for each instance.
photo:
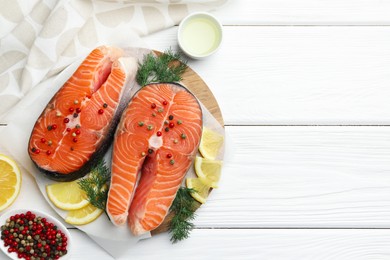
column 252, row 244
column 305, row 12
column 297, row 75
column 329, row 177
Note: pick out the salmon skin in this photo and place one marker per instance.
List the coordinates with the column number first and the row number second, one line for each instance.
column 77, row 125
column 157, row 138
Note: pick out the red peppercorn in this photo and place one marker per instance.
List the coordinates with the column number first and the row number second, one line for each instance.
column 165, row 103
column 43, row 140
column 66, row 120
column 159, row 133
column 68, row 129
column 39, row 245
column 37, row 151
column 54, row 127
column 71, row 109
column 48, row 152
column 78, row 110
column 169, row 155
column 74, row 140
column 171, row 125
column 78, row 132
column 153, row 105
column 101, row 111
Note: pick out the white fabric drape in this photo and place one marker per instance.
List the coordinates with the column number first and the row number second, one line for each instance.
column 39, row 38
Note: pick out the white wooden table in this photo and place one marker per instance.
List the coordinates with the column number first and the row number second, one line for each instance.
column 304, row 88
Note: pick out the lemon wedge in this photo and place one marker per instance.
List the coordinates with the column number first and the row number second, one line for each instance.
column 10, row 181
column 67, row 195
column 210, row 144
column 201, row 190
column 84, row 215
column 208, row 171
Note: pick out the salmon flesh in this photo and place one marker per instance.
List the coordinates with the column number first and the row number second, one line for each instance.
column 155, row 142
column 77, row 125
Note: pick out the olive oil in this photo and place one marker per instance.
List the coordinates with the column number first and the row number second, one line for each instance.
column 200, row 36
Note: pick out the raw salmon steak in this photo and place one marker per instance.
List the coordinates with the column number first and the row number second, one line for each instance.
column 156, row 138
column 77, row 125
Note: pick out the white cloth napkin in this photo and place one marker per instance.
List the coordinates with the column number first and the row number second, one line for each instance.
column 39, row 38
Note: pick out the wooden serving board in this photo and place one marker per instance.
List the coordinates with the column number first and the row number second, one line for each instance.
column 200, row 89
column 102, row 225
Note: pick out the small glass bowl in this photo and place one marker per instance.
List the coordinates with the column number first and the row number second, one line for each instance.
column 51, row 219
column 200, row 35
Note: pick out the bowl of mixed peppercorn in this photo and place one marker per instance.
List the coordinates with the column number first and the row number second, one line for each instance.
column 33, row 235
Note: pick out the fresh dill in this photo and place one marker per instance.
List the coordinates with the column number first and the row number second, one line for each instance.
column 183, row 208
column 165, row 67
column 95, row 185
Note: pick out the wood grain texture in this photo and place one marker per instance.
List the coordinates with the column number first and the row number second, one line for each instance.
column 305, row 12
column 297, row 75
column 299, row 177
column 199, row 88
column 283, row 176
column 234, row 244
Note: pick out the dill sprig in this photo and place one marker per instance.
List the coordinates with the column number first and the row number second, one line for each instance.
column 165, row 67
column 95, row 185
column 183, row 209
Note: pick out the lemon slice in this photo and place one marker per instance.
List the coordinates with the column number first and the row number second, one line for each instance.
column 83, row 216
column 208, row 171
column 10, row 181
column 201, row 190
column 67, row 195
column 210, row 144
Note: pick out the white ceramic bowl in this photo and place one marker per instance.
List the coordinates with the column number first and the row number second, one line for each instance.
column 38, row 213
column 199, row 35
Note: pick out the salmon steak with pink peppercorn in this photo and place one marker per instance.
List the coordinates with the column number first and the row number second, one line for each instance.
column 155, row 144
column 77, row 125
